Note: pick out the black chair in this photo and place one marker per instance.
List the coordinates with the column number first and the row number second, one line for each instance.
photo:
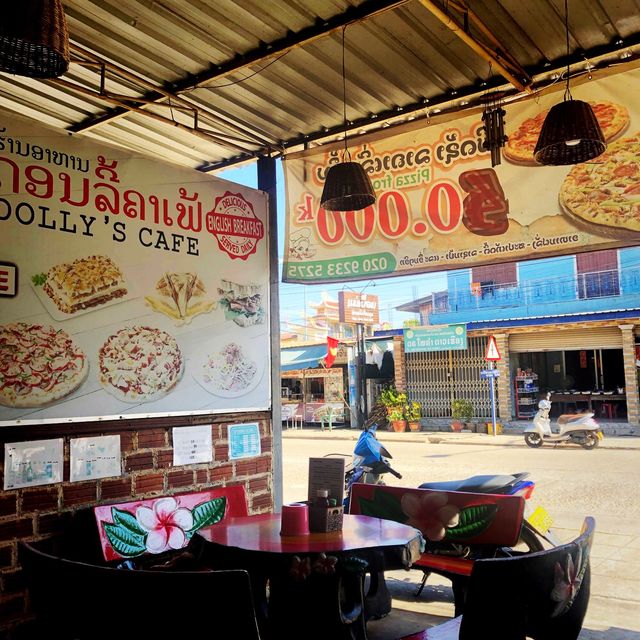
column 542, row 595
column 81, row 601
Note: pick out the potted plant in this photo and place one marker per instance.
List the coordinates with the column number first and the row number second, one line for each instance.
column 391, row 398
column 412, row 415
column 396, row 418
column 461, row 412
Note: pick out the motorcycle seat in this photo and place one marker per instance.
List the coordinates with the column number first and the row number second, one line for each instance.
column 573, row 417
column 478, row 484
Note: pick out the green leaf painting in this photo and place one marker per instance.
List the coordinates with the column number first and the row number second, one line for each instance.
column 473, row 521
column 127, row 521
column 383, row 505
column 208, row 513
column 124, row 541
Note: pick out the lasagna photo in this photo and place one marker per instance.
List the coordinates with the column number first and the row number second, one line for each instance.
column 84, row 284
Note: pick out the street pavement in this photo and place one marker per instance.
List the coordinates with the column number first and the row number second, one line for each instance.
column 614, row 608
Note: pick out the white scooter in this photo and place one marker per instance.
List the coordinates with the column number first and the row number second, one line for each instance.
column 578, row 428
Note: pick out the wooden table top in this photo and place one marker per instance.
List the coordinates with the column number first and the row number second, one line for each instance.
column 262, row 533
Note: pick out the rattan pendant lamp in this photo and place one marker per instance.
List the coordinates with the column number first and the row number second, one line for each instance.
column 570, row 133
column 34, row 40
column 347, row 186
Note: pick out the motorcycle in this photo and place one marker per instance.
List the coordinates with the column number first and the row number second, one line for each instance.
column 579, row 428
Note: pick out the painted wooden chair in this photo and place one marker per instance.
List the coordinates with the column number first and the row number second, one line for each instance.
column 542, row 595
column 81, row 601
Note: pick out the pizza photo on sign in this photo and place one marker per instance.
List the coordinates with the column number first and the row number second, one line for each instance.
column 140, row 364
column 38, row 365
column 228, row 370
column 612, row 118
column 181, row 297
column 70, row 288
column 603, row 196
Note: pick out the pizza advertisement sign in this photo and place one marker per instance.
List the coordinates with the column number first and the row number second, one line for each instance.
column 131, row 287
column 440, row 205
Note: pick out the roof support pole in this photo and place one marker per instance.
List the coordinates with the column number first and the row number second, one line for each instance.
column 267, row 182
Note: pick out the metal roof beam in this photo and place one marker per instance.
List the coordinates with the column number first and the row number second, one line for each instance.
column 495, row 53
column 321, row 29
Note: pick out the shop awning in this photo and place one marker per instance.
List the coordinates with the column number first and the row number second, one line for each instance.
column 302, row 357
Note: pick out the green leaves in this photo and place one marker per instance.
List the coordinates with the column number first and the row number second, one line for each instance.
column 208, row 513
column 39, row 279
column 383, row 505
column 473, row 521
column 125, row 535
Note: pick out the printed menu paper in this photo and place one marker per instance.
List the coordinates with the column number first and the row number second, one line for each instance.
column 192, row 445
column 29, row 464
column 244, row 440
column 93, row 458
column 326, row 473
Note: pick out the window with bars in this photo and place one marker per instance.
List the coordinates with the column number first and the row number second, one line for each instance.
column 598, row 274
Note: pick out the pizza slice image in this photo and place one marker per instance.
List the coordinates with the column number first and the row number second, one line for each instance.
column 613, row 120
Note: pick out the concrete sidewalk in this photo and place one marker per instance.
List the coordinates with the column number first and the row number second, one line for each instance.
column 436, row 437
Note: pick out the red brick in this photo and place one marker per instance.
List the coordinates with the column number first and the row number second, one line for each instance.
column 247, row 467
column 149, row 483
column 223, row 472
column 20, row 528
column 40, row 500
column 139, row 461
column 11, row 609
column 263, row 465
column 79, row 493
column 6, row 556
column 13, row 581
column 221, row 452
column 258, row 485
column 266, row 444
column 8, row 504
column 120, row 488
column 152, row 439
column 53, row 523
column 202, row 476
column 179, row 479
column 126, row 441
column 164, row 459
column 217, row 432
column 263, row 502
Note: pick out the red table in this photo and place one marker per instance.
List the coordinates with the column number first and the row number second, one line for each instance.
column 313, row 595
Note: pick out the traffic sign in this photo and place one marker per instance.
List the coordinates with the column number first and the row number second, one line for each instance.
column 489, row 373
column 492, row 354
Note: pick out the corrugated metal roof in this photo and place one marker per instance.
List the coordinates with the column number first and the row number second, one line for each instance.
column 265, row 76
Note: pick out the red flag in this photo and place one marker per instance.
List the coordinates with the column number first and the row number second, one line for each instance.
column 332, row 351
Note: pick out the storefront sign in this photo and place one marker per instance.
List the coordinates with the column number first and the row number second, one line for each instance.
column 142, row 286
column 358, row 308
column 438, row 338
column 440, row 205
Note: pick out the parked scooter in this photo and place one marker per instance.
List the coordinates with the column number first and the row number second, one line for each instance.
column 578, row 428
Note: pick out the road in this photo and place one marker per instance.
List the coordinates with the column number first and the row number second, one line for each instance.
column 570, row 483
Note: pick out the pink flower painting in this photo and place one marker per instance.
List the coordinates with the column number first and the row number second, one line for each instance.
column 430, row 513
column 166, row 524
column 567, row 581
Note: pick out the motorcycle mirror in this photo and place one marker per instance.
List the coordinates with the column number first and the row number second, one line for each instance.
column 384, row 452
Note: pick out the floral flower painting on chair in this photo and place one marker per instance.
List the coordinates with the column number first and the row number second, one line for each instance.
column 157, row 525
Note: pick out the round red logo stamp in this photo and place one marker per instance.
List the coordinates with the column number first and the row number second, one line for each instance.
column 235, row 225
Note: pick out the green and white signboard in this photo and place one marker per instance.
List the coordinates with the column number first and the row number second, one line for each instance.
column 437, row 338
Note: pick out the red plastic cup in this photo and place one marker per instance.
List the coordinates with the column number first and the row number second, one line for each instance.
column 295, row 520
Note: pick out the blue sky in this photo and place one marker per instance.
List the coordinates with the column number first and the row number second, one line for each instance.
column 294, row 298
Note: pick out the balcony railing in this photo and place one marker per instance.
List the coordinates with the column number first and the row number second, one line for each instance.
column 583, row 286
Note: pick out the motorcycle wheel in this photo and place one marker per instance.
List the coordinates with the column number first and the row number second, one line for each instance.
column 530, row 539
column 590, row 442
column 533, row 440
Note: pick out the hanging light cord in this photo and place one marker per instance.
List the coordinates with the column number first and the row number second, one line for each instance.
column 346, row 153
column 567, row 91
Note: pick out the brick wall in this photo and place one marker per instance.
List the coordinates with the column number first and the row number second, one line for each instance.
column 147, row 457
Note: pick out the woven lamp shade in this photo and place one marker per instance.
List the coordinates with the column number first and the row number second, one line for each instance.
column 34, row 40
column 347, row 188
column 570, row 134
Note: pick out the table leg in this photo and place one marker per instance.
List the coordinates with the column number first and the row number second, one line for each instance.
column 377, row 602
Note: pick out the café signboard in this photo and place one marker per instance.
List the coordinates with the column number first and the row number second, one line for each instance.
column 358, row 308
column 441, row 205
